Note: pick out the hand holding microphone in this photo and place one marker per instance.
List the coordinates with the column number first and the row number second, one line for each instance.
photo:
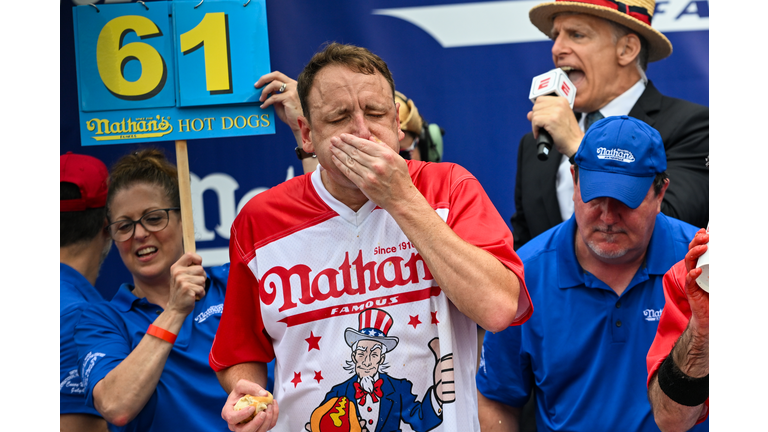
column 552, row 83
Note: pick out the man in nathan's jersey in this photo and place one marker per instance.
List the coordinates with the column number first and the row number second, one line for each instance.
column 367, row 229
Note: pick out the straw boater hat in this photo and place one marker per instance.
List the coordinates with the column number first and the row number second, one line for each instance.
column 633, row 14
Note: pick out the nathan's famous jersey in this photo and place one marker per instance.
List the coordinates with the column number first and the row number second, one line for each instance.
column 311, row 280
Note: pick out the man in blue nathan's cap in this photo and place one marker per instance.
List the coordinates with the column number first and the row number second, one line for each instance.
column 596, row 280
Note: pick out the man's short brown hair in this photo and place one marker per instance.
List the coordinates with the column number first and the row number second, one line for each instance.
column 356, row 58
column 78, row 226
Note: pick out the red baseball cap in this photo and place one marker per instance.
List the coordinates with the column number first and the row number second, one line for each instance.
column 90, row 175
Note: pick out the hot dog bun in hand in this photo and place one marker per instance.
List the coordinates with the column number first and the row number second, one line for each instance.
column 259, row 402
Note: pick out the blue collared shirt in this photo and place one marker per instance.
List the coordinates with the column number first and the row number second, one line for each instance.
column 188, row 396
column 75, row 295
column 584, row 348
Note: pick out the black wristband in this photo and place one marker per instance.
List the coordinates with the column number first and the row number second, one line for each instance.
column 680, row 387
column 301, row 154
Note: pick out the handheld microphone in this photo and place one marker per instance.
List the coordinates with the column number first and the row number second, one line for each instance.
column 552, row 83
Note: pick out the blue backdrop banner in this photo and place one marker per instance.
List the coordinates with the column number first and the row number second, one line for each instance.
column 466, row 65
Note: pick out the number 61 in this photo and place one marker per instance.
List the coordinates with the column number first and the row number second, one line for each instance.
column 212, row 33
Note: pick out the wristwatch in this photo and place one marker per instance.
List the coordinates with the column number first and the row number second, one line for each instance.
column 301, row 154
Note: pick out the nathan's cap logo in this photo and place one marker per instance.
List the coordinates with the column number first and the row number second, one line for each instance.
column 615, row 154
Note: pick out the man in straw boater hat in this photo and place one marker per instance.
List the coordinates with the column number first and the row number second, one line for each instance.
column 597, row 280
column 604, row 46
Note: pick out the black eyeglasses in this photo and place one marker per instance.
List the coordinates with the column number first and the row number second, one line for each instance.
column 154, row 221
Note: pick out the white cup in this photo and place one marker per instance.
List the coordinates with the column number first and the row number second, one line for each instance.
column 703, row 264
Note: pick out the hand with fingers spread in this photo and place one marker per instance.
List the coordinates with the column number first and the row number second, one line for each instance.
column 187, row 283
column 280, row 92
column 262, row 422
column 373, row 167
column 555, row 115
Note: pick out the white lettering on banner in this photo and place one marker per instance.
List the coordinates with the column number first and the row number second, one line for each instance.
column 491, row 23
column 223, row 187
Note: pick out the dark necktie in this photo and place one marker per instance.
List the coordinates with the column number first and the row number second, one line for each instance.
column 591, row 118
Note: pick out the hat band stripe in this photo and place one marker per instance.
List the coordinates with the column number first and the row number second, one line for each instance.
column 637, row 12
column 373, row 332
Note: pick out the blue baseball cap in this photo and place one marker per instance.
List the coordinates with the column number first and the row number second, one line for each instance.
column 618, row 158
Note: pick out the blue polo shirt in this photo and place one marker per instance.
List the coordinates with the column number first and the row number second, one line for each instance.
column 188, row 396
column 75, row 295
column 584, row 349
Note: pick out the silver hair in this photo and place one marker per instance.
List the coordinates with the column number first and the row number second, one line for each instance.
column 641, row 61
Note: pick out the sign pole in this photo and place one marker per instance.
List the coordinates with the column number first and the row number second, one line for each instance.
column 185, row 192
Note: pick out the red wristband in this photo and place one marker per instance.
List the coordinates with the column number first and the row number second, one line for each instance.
column 161, row 333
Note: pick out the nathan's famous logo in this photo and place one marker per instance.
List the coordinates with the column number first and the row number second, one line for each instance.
column 216, row 309
column 147, row 127
column 391, row 272
column 154, row 127
column 615, row 154
column 652, row 315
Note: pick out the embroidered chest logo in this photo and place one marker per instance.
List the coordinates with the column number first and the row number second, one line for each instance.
column 652, row 315
column 216, row 309
column 615, row 154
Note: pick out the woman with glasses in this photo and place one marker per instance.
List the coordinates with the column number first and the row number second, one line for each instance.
column 143, row 356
